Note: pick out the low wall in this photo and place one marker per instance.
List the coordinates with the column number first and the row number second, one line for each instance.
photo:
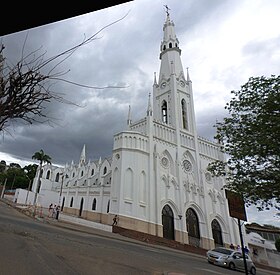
column 144, row 237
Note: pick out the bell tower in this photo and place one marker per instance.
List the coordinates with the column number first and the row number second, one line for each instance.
column 172, row 93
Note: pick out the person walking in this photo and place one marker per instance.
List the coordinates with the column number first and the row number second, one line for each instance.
column 115, row 220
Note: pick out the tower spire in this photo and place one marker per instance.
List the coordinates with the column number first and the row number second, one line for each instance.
column 149, row 109
column 169, row 49
column 83, row 155
column 129, row 116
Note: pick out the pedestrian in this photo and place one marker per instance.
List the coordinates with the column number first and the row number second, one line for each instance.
column 50, row 210
column 246, row 250
column 57, row 211
column 115, row 220
column 238, row 248
column 54, row 211
column 231, row 246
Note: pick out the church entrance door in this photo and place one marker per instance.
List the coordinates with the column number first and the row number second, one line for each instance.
column 193, row 227
column 168, row 223
column 217, row 233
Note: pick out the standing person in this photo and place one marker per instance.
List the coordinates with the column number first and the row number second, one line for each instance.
column 246, row 250
column 54, row 211
column 50, row 210
column 239, row 248
column 57, row 211
column 231, row 246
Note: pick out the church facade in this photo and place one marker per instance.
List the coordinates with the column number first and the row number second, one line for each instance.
column 156, row 180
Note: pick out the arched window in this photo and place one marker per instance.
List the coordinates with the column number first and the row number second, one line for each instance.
column 176, row 45
column 57, row 177
column 105, row 170
column 164, row 47
column 73, row 175
column 217, row 233
column 108, row 206
column 82, row 173
column 41, row 172
column 94, row 204
column 81, row 207
column 193, row 227
column 164, row 111
column 48, row 174
column 170, row 45
column 184, row 114
column 85, row 182
column 71, row 202
column 92, row 172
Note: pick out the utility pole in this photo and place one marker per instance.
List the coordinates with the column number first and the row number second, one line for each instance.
column 242, row 247
column 3, row 190
column 28, row 187
column 60, row 192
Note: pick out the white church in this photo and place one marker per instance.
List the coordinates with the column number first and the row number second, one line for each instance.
column 156, row 180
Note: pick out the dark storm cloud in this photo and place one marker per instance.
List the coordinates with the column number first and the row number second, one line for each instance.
column 124, row 54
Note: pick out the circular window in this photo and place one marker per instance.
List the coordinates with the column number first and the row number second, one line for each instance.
column 187, row 165
column 182, row 83
column 163, row 85
column 208, row 176
column 164, row 162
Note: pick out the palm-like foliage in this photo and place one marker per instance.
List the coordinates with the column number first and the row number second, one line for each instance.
column 42, row 157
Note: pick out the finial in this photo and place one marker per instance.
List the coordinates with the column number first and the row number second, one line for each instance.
column 129, row 116
column 188, row 76
column 155, row 78
column 167, row 10
column 149, row 109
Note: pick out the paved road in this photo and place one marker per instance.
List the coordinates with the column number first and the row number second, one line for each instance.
column 28, row 246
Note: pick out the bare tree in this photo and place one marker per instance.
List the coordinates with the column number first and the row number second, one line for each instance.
column 26, row 87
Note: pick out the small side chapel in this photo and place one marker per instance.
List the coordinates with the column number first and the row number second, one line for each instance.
column 156, row 180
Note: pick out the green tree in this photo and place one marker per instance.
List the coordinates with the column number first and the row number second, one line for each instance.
column 30, row 170
column 250, row 139
column 14, row 165
column 2, row 166
column 18, row 177
column 277, row 244
column 42, row 158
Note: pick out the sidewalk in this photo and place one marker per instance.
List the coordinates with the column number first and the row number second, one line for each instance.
column 81, row 225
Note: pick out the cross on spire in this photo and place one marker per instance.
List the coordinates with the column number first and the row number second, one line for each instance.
column 167, row 9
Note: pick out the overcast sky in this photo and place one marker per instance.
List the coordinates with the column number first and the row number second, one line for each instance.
column 223, row 43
